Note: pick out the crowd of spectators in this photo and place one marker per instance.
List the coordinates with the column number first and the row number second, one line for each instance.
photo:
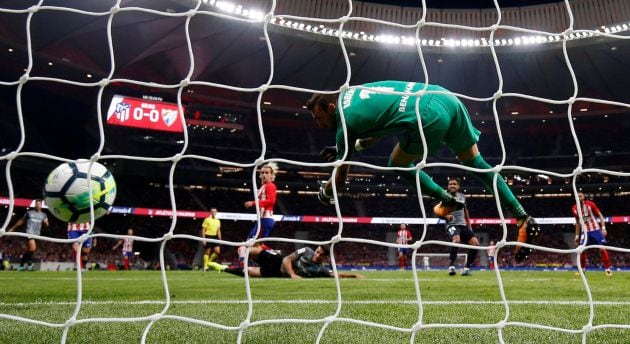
column 180, row 252
column 200, row 184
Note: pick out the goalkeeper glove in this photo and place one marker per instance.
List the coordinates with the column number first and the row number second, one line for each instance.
column 329, row 153
column 323, row 197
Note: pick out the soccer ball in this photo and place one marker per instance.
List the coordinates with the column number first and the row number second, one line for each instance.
column 67, row 191
column 441, row 211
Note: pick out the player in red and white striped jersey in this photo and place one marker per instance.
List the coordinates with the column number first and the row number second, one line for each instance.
column 403, row 237
column 127, row 249
column 594, row 231
column 266, row 202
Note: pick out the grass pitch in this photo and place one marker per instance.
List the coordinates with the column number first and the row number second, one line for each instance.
column 119, row 307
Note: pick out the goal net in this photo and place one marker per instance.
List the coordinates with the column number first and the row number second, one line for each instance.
column 172, row 60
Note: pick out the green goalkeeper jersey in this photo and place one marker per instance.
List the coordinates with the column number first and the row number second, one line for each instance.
column 369, row 113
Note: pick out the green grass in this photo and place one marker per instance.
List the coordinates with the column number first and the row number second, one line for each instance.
column 382, row 308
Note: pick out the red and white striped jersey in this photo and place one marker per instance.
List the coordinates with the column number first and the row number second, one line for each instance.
column 127, row 245
column 267, row 199
column 590, row 215
column 403, row 236
column 78, row 226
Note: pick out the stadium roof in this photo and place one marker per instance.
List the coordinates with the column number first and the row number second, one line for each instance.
column 153, row 48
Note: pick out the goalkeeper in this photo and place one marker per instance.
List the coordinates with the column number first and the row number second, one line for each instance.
column 371, row 115
column 303, row 263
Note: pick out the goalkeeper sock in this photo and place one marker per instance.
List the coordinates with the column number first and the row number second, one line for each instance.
column 206, row 259
column 428, row 186
column 506, row 196
column 452, row 256
column 213, row 256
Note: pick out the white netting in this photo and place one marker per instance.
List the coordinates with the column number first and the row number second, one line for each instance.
column 228, row 11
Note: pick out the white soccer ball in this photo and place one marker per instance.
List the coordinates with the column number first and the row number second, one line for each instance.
column 67, row 191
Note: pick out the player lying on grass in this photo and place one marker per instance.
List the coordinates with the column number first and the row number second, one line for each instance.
column 303, row 263
column 371, row 115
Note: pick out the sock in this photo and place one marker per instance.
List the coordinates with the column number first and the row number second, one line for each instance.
column 27, row 258
column 238, row 271
column 23, row 259
column 428, row 186
column 452, row 256
column 206, row 259
column 583, row 260
column 470, row 259
column 605, row 258
column 401, row 262
column 506, row 196
column 213, row 256
column 84, row 259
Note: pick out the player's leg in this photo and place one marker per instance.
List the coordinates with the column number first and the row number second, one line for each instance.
column 216, row 251
column 597, row 237
column 252, row 271
column 85, row 253
column 462, row 138
column 528, row 229
column 400, row 158
column 402, row 259
column 242, row 250
column 27, row 257
column 470, row 238
column 453, row 233
column 605, row 261
column 267, row 226
column 206, row 256
column 582, row 256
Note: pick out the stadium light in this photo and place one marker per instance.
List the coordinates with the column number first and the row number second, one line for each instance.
column 240, row 10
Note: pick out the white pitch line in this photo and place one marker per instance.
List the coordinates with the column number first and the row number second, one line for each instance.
column 357, row 302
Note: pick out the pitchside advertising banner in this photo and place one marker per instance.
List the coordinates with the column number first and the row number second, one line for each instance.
column 144, row 113
column 200, row 214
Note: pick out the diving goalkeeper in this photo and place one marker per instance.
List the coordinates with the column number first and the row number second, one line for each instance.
column 371, row 115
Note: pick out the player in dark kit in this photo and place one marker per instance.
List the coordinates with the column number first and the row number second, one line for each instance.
column 34, row 219
column 459, row 230
column 303, row 263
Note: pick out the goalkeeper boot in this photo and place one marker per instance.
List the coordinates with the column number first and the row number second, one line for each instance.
column 451, row 271
column 528, row 229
